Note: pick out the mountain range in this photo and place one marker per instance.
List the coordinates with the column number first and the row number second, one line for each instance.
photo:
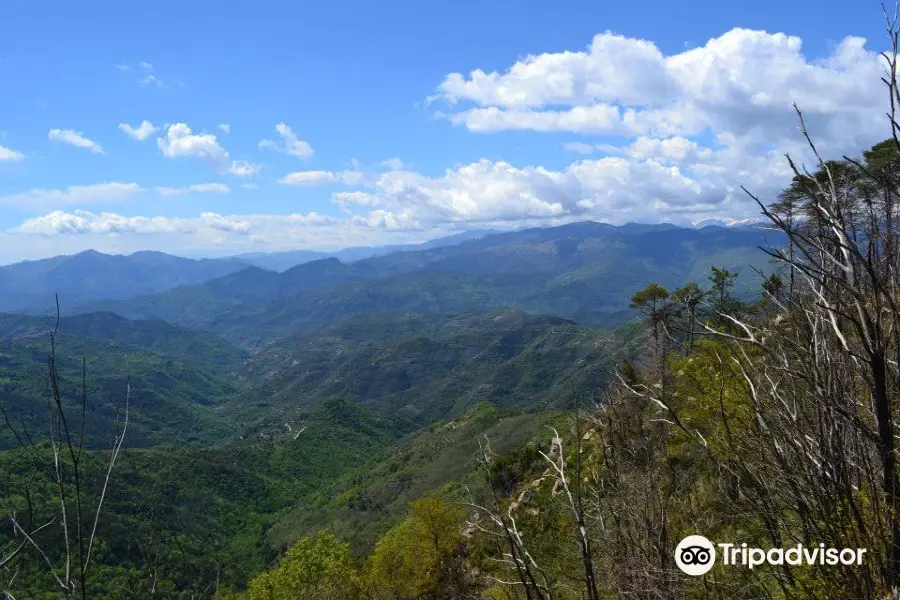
column 583, row 271
column 30, row 286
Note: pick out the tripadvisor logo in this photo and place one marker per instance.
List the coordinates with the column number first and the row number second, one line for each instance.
column 696, row 555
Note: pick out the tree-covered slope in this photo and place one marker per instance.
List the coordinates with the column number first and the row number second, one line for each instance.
column 178, row 378
column 430, row 366
column 178, row 518
column 441, row 458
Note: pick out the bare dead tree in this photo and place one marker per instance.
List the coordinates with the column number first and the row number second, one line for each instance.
column 78, row 522
column 557, row 462
column 534, row 581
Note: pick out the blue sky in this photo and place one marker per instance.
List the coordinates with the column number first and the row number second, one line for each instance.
column 386, row 144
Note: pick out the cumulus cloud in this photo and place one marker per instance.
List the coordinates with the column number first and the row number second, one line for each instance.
column 112, row 192
column 148, row 77
column 181, row 141
column 738, row 82
column 647, row 180
column 289, row 143
column 699, row 122
column 85, row 222
column 139, row 133
column 311, row 178
column 8, row 154
column 207, row 233
column 224, row 127
column 151, row 79
column 660, row 137
column 200, row 188
column 733, row 95
column 74, row 138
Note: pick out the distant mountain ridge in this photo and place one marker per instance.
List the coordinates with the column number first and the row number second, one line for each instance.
column 30, row 286
column 282, row 261
column 582, row 271
column 90, row 275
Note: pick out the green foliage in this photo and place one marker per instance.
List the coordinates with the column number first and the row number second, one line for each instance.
column 182, row 517
column 415, row 558
column 178, row 378
column 428, row 367
column 648, row 298
column 319, row 567
column 361, row 506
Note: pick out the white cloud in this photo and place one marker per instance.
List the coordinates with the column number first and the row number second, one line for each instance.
column 242, row 168
column 181, row 141
column 139, row 133
column 144, row 72
column 647, row 180
column 689, row 128
column 216, row 188
column 289, row 143
column 151, row 79
column 741, row 84
column 675, row 149
column 8, row 154
column 310, row 178
column 224, row 127
column 597, row 119
column 85, row 223
column 74, row 138
column 112, row 192
column 61, row 232
column 200, row 188
column 395, row 164
column 664, row 137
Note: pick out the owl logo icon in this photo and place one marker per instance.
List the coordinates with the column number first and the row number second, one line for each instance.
column 695, row 555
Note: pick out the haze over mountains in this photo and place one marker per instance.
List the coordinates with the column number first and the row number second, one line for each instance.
column 566, row 271
column 91, row 275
